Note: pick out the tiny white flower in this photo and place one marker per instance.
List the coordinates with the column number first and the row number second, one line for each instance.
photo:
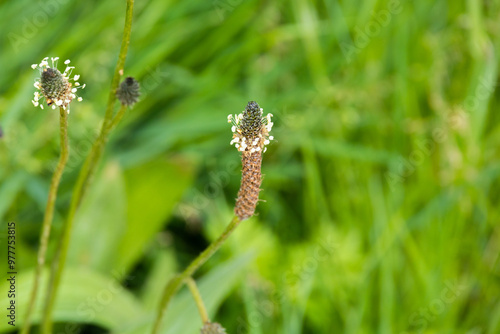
column 233, row 128
column 271, row 137
column 63, row 96
column 80, row 99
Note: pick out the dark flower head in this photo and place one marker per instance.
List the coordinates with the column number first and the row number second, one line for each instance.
column 55, row 87
column 128, row 92
column 251, row 129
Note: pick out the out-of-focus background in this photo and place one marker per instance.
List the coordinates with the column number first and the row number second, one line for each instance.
column 379, row 209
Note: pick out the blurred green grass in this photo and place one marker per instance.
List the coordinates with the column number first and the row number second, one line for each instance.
column 381, row 191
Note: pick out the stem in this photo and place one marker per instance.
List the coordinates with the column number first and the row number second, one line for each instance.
column 49, row 214
column 118, row 117
column 197, row 298
column 175, row 283
column 85, row 176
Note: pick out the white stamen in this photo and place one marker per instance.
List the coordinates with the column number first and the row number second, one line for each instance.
column 76, row 77
column 67, row 61
column 80, row 99
column 34, row 66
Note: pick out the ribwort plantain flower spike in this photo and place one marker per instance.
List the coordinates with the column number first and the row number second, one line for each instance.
column 128, row 93
column 212, row 328
column 250, row 136
column 55, row 87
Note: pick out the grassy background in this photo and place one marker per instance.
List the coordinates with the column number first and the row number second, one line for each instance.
column 381, row 191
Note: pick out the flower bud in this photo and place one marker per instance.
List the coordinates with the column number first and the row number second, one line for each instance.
column 212, row 328
column 128, row 92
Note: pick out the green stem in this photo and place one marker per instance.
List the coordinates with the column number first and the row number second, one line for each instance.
column 85, row 175
column 118, row 117
column 176, row 282
column 197, row 299
column 48, row 216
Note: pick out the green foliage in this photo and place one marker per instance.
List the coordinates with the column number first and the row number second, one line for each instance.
column 381, row 191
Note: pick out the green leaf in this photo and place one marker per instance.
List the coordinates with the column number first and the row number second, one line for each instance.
column 100, row 223
column 152, row 191
column 182, row 315
column 85, row 296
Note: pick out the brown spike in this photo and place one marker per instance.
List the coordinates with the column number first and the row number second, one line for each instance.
column 251, row 179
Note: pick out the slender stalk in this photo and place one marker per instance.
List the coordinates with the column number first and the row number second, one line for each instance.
column 48, row 216
column 197, row 299
column 176, row 282
column 118, row 117
column 85, row 175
